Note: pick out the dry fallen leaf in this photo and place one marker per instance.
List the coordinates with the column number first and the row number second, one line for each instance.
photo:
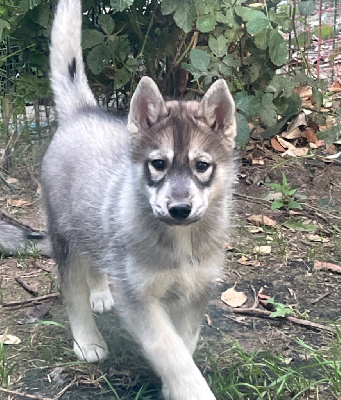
column 250, row 263
column 317, row 238
column 276, row 145
column 208, row 320
column 293, row 134
column 11, row 180
column 310, row 135
column 328, row 266
column 263, row 300
column 292, row 151
column 336, row 86
column 9, row 339
column 16, row 203
column 255, row 229
column 262, row 249
column 259, row 219
column 233, row 298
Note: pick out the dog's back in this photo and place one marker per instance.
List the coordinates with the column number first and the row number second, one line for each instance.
column 147, row 202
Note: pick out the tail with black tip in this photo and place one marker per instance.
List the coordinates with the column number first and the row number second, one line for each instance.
column 14, row 239
column 69, row 82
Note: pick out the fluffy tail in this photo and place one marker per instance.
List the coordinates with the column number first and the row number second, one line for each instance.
column 69, row 83
column 14, row 239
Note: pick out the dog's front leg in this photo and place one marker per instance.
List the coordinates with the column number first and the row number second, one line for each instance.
column 167, row 352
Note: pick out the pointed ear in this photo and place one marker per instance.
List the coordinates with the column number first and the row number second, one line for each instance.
column 219, row 109
column 147, row 106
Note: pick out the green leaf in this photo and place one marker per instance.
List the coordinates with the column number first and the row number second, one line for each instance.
column 199, row 59
column 306, row 7
column 41, row 15
column 299, row 226
column 262, row 39
column 107, row 23
column 273, row 130
column 243, row 131
column 281, row 85
column 119, row 47
column 230, row 61
column 122, row 76
column 281, row 311
column 218, row 45
column 317, row 97
column 247, row 103
column 3, row 25
column 277, row 204
column 91, row 38
column 257, row 21
column 278, row 51
column 184, row 16
column 98, row 58
column 121, row 5
column 26, row 5
column 293, row 205
column 268, row 112
column 169, row 6
column 244, row 12
column 206, row 23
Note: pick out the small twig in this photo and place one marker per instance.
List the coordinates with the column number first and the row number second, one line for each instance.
column 26, row 287
column 35, row 300
column 24, row 395
column 256, row 300
column 320, row 297
column 252, row 199
column 10, row 187
column 60, row 394
column 256, row 312
column 7, row 217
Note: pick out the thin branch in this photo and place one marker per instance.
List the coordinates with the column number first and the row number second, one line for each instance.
column 26, row 287
column 23, row 395
column 256, row 312
column 35, row 300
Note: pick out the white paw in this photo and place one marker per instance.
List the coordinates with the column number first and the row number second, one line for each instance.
column 101, row 301
column 91, row 352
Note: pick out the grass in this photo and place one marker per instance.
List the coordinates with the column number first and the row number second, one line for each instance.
column 237, row 374
column 6, row 367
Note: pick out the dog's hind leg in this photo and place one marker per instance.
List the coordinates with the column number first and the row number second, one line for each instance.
column 100, row 295
column 89, row 344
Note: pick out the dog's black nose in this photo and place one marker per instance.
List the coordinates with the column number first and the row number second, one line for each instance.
column 180, row 211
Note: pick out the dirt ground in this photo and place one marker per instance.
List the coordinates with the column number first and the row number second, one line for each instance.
column 44, row 363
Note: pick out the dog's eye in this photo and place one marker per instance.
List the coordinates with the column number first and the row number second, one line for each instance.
column 202, row 166
column 159, row 165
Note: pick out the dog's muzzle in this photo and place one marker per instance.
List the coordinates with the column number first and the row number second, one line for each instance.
column 179, row 211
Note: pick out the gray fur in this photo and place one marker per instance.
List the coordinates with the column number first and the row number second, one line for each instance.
column 14, row 239
column 109, row 212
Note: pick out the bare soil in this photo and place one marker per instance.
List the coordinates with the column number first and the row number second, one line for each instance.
column 45, row 366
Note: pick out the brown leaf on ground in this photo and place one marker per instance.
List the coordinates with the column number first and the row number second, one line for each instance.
column 276, row 145
column 9, row 339
column 263, row 300
column 293, row 134
column 310, row 135
column 249, row 263
column 262, row 250
column 318, row 265
column 17, row 203
column 336, row 86
column 331, row 149
column 208, row 320
column 259, row 220
column 292, row 151
column 305, row 92
column 11, row 180
column 233, row 298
